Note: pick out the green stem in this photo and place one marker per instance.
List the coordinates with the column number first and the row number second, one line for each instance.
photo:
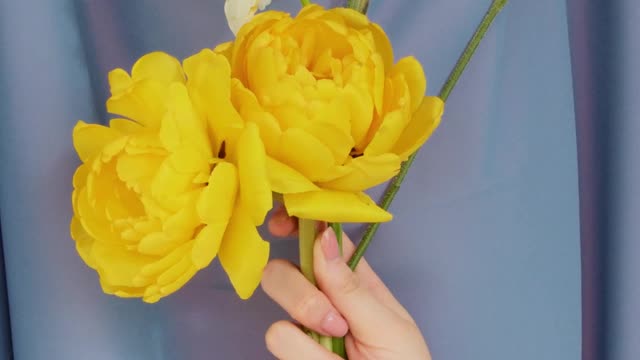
column 307, row 235
column 307, row 231
column 448, row 86
column 359, row 5
column 305, row 2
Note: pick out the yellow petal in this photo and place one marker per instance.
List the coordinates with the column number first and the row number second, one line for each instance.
column 117, row 266
column 243, row 253
column 387, row 135
column 255, row 190
column 311, row 157
column 368, row 171
column 158, row 243
column 209, row 82
column 159, row 266
column 335, row 206
column 217, row 200
column 425, row 120
column 144, row 102
column 84, row 242
column 413, row 74
column 119, row 81
column 207, row 244
column 361, row 106
column 137, row 171
column 168, row 183
column 158, row 66
column 181, row 116
column 178, row 282
column 90, row 139
column 383, row 45
column 125, row 126
column 286, row 180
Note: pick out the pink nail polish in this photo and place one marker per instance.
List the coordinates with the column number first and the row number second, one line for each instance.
column 329, row 245
column 334, row 325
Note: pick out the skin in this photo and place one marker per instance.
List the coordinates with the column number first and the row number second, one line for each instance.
column 357, row 304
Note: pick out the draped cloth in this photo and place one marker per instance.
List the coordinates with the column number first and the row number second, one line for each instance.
column 498, row 237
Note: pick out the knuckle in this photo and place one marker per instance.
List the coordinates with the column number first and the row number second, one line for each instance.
column 348, row 284
column 309, row 305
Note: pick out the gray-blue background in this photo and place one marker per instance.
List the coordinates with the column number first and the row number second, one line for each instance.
column 485, row 249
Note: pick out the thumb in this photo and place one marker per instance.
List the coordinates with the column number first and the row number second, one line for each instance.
column 366, row 315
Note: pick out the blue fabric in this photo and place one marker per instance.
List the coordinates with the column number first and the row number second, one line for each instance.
column 484, row 251
column 605, row 54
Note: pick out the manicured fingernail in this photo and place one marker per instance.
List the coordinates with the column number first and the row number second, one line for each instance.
column 329, row 245
column 333, row 324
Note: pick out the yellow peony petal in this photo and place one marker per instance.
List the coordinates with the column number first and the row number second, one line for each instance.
column 158, row 66
column 255, row 190
column 224, row 49
column 251, row 111
column 84, row 242
column 119, row 81
column 207, row 244
column 310, row 157
column 116, row 266
column 385, row 138
column 137, row 171
column 361, row 106
column 168, row 183
column 425, row 120
column 144, row 102
column 383, row 45
column 179, row 282
column 413, row 74
column 285, row 180
column 182, row 116
column 158, row 243
column 157, row 267
column 335, row 206
column 174, row 272
column 217, row 200
column 90, row 139
column 368, row 171
column 243, row 253
column 263, row 77
column 125, row 126
column 189, row 160
column 209, row 77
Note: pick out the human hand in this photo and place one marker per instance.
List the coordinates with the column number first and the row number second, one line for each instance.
column 357, row 304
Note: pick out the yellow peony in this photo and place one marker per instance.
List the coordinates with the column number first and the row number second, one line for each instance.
column 336, row 115
column 180, row 180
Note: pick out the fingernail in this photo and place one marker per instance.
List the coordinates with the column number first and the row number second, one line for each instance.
column 329, row 245
column 333, row 324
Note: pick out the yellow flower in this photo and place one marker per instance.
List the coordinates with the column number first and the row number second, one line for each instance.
column 158, row 196
column 337, row 116
column 240, row 12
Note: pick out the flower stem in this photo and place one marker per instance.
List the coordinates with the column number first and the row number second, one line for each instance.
column 448, row 86
column 307, row 230
column 359, row 5
column 305, row 2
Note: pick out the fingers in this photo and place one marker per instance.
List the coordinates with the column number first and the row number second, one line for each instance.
column 367, row 315
column 372, row 281
column 286, row 285
column 281, row 224
column 287, row 342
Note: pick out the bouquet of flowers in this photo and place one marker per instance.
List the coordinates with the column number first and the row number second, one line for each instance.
column 309, row 111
